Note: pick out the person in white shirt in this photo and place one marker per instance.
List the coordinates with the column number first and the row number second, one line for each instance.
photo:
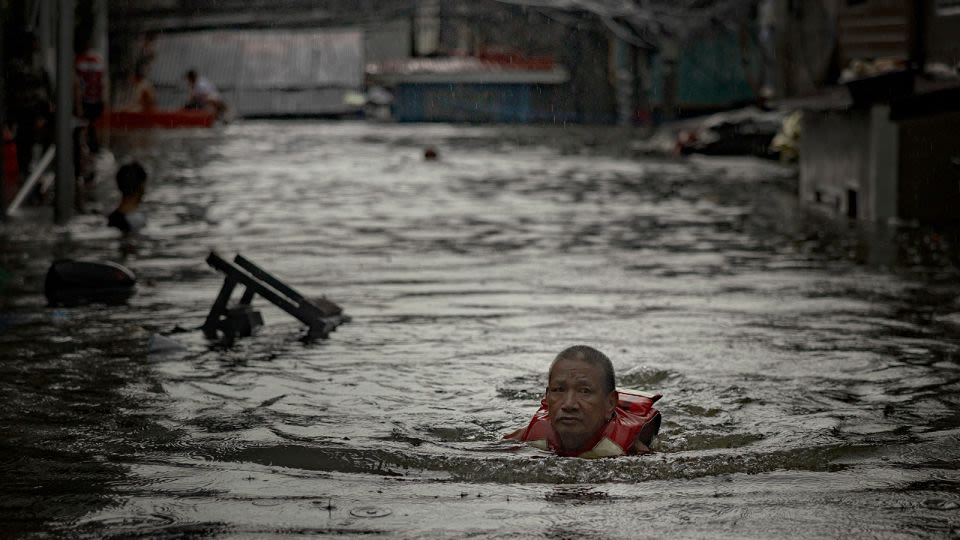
column 203, row 94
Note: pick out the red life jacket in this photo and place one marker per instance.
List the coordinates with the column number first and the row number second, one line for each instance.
column 90, row 71
column 633, row 419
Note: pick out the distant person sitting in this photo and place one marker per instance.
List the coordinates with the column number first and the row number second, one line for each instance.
column 203, row 94
column 132, row 183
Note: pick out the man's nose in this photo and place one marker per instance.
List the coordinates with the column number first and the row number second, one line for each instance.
column 569, row 401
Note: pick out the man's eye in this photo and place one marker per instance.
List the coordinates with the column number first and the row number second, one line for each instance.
column 585, row 391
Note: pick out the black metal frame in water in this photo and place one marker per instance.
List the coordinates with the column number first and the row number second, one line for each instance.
column 320, row 315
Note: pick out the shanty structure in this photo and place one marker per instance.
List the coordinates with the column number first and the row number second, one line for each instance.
column 265, row 73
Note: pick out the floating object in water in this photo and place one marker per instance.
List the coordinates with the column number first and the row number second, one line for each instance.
column 162, row 344
column 430, row 154
column 72, row 283
column 321, row 315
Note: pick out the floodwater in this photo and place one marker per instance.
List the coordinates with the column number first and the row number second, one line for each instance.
column 810, row 377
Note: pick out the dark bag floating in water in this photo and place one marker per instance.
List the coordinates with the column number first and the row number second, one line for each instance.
column 72, row 283
column 321, row 315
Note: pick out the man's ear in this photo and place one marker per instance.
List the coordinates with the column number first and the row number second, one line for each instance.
column 612, row 399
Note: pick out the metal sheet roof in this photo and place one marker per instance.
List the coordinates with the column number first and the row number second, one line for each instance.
column 303, row 59
column 461, row 70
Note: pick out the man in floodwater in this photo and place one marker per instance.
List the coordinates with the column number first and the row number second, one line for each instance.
column 132, row 183
column 583, row 415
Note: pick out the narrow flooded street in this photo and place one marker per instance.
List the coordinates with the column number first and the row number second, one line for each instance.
column 811, row 378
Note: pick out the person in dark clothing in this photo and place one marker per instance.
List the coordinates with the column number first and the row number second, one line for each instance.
column 132, row 183
column 91, row 74
column 30, row 105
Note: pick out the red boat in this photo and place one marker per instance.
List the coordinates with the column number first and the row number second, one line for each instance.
column 180, row 118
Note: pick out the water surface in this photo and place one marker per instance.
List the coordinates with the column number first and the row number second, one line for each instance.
column 810, row 376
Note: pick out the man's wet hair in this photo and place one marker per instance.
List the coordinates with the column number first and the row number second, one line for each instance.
column 592, row 357
column 191, row 74
column 130, row 178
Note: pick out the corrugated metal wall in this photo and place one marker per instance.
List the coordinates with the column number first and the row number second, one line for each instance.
column 874, row 29
column 944, row 32
column 264, row 72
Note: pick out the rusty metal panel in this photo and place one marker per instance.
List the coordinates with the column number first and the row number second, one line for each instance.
column 874, row 29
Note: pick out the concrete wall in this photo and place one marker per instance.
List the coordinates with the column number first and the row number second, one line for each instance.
column 908, row 169
column 834, row 159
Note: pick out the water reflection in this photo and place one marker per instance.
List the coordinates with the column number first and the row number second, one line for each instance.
column 809, row 377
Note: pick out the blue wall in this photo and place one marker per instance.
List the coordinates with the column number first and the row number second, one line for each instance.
column 472, row 103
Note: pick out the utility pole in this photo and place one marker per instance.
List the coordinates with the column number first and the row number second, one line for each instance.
column 918, row 36
column 3, row 122
column 102, row 45
column 66, row 180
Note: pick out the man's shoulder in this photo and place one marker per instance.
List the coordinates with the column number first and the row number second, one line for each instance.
column 119, row 220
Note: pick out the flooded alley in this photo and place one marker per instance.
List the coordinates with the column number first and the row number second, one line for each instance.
column 810, row 377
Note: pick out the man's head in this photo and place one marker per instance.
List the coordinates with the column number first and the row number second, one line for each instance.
column 139, row 72
column 131, row 179
column 191, row 76
column 581, row 395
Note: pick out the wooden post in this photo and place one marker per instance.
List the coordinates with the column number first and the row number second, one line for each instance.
column 66, row 176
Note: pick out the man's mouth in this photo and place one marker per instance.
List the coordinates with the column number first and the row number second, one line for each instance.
column 567, row 420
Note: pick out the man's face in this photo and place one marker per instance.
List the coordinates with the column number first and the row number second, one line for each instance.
column 577, row 403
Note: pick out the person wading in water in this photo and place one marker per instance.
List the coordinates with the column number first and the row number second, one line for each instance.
column 584, row 415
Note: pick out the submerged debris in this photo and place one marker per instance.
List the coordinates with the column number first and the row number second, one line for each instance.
column 321, row 315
